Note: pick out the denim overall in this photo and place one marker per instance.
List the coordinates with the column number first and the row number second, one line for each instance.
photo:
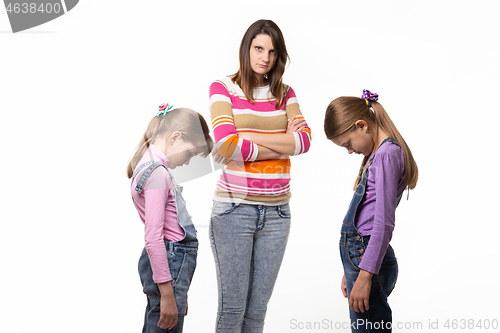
column 181, row 260
column 352, row 246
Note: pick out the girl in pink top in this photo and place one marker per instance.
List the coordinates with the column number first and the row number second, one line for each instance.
column 168, row 260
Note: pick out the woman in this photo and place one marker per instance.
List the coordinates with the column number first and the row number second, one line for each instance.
column 257, row 124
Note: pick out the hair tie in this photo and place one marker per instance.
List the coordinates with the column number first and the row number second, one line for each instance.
column 368, row 96
column 163, row 109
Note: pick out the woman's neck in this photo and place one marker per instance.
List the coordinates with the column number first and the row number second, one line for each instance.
column 261, row 81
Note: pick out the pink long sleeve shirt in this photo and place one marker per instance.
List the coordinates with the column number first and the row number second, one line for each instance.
column 156, row 208
column 251, row 182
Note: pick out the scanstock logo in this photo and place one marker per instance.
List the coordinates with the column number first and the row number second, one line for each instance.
column 26, row 14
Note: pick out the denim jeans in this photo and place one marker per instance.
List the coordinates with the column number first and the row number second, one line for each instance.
column 248, row 243
column 182, row 263
column 379, row 316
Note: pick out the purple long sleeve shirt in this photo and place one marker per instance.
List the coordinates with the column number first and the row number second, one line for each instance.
column 377, row 211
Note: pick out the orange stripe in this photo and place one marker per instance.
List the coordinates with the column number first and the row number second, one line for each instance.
column 266, row 166
column 223, row 119
column 214, row 125
column 227, row 148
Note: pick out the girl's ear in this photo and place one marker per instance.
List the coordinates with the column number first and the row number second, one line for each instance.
column 361, row 124
column 175, row 136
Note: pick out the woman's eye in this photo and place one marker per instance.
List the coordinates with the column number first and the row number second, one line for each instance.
column 258, row 48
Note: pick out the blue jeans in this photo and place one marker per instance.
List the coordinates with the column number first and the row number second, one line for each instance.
column 248, row 243
column 182, row 263
column 379, row 316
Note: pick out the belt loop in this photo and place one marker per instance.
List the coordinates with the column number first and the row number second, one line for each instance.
column 170, row 246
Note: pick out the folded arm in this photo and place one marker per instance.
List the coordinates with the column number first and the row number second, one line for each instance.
column 297, row 138
column 282, row 143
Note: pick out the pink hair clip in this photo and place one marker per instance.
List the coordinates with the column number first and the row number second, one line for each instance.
column 163, row 109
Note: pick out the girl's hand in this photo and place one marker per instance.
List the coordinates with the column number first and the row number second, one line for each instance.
column 295, row 125
column 168, row 307
column 343, row 287
column 360, row 293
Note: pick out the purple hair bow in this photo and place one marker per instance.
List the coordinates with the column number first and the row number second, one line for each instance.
column 369, row 97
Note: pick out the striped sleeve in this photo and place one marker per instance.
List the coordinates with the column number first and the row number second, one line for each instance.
column 302, row 138
column 229, row 144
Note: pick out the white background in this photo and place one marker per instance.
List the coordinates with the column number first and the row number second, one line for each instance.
column 76, row 95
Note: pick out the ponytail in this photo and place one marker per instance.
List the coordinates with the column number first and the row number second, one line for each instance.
column 147, row 139
column 383, row 121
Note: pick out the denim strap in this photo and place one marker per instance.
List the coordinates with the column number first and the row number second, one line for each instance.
column 147, row 173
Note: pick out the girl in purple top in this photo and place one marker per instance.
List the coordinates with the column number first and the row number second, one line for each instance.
column 361, row 125
column 168, row 261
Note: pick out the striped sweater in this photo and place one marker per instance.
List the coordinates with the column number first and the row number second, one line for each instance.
column 245, row 179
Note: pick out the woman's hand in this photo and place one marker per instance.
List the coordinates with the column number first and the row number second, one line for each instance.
column 295, row 125
column 360, row 293
column 343, row 287
column 245, row 135
column 168, row 307
column 218, row 158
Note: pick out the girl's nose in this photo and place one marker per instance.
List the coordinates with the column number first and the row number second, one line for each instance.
column 350, row 150
column 265, row 57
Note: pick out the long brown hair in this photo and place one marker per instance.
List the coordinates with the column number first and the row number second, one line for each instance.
column 189, row 123
column 341, row 116
column 245, row 77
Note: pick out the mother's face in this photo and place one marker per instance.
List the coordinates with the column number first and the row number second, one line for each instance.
column 262, row 55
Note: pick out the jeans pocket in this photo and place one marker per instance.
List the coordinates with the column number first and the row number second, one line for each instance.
column 175, row 263
column 182, row 266
column 355, row 250
column 222, row 208
column 284, row 211
column 388, row 273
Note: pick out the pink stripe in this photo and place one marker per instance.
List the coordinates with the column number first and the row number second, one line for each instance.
column 218, row 88
column 301, row 143
column 226, row 187
column 255, row 182
column 223, row 130
column 264, row 106
column 307, row 141
column 246, row 149
column 251, row 149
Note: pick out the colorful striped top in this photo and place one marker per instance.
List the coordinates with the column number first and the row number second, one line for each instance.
column 245, row 179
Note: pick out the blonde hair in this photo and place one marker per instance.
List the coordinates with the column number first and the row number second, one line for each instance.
column 189, row 123
column 341, row 116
